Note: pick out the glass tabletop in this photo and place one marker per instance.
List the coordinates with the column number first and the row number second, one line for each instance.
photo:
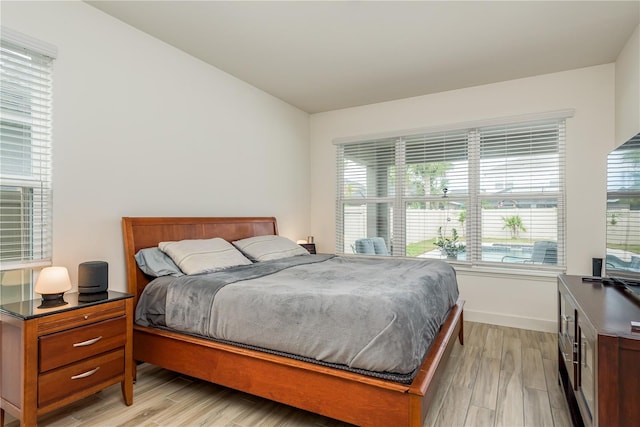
column 37, row 308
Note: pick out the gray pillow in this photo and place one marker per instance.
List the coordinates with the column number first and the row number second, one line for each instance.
column 265, row 248
column 154, row 262
column 203, row 255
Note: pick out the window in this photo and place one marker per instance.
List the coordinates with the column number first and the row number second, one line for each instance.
column 490, row 194
column 623, row 210
column 25, row 156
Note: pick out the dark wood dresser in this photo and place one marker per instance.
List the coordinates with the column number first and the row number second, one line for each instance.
column 598, row 352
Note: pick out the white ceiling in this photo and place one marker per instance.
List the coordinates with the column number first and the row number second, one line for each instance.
column 326, row 55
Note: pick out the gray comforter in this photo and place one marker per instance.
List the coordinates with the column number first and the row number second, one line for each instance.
column 366, row 313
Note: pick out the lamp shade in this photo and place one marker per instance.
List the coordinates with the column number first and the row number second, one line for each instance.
column 53, row 280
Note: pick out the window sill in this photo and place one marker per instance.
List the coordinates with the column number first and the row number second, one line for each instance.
column 544, row 274
column 516, row 273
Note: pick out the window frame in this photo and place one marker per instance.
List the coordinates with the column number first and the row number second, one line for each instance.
column 25, row 151
column 473, row 198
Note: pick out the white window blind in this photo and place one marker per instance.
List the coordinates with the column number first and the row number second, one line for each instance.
column 436, row 189
column 482, row 195
column 366, row 187
column 521, row 193
column 25, row 153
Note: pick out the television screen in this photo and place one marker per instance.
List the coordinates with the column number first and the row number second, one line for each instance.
column 623, row 211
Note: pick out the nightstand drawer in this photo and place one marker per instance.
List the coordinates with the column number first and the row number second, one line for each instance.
column 66, row 347
column 80, row 317
column 80, row 377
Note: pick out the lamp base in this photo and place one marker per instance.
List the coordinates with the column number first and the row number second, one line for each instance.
column 52, row 300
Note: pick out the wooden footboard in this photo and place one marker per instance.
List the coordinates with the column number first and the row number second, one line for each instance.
column 342, row 395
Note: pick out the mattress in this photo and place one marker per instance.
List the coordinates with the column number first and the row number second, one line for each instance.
column 376, row 315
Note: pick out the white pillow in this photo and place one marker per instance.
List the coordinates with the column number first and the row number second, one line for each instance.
column 265, row 248
column 203, row 255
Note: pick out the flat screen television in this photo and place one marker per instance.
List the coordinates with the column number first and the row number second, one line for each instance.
column 623, row 212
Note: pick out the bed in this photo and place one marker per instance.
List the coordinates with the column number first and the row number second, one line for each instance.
column 345, row 395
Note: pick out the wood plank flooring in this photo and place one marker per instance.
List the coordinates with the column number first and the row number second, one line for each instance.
column 500, row 377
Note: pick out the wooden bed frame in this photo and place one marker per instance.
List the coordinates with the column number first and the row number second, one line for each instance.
column 334, row 393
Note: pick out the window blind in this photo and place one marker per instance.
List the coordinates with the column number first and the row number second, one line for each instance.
column 436, row 190
column 25, row 154
column 521, row 196
column 480, row 195
column 366, row 188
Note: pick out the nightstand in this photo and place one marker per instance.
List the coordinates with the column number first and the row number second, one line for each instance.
column 51, row 357
column 310, row 247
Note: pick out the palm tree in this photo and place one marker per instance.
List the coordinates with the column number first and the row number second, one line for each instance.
column 462, row 218
column 514, row 225
column 420, row 175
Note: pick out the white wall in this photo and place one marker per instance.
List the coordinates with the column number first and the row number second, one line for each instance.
column 142, row 129
column 628, row 89
column 512, row 300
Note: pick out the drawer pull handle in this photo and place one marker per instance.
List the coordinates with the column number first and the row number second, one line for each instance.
column 87, row 342
column 85, row 374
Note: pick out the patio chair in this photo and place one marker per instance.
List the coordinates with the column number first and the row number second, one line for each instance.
column 543, row 253
column 371, row 246
column 615, row 262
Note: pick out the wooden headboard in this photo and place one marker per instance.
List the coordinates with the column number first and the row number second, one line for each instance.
column 147, row 232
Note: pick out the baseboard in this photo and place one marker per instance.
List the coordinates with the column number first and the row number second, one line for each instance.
column 511, row 321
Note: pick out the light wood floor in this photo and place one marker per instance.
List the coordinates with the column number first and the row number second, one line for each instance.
column 500, row 377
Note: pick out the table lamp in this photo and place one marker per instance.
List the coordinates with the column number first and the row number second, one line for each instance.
column 52, row 283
